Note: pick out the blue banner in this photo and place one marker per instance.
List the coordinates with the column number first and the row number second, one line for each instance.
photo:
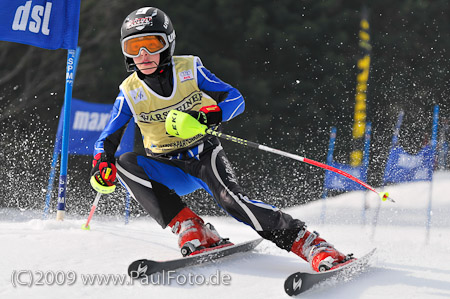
column 335, row 181
column 50, row 24
column 404, row 167
column 87, row 121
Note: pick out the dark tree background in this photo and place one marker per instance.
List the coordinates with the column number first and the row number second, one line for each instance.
column 294, row 62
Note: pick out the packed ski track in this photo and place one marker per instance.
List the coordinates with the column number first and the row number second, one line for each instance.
column 51, row 259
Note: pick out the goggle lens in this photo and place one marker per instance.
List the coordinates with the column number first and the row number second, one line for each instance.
column 153, row 43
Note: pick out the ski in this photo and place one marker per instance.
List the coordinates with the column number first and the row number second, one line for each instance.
column 145, row 267
column 300, row 282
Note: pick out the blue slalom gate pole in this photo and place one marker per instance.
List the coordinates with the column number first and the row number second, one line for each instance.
column 127, row 208
column 51, row 178
column 433, row 151
column 58, row 140
column 70, row 76
column 394, row 143
column 329, row 161
column 366, row 158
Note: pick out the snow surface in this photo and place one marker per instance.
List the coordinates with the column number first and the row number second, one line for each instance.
column 405, row 266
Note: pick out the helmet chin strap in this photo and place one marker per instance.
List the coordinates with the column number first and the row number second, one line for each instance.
column 159, row 66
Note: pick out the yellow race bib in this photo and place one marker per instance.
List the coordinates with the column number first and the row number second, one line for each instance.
column 150, row 109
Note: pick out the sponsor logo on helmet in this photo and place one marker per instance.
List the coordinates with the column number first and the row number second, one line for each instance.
column 140, row 23
column 166, row 22
column 171, row 36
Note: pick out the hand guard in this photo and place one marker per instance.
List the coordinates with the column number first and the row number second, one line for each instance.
column 207, row 115
column 103, row 173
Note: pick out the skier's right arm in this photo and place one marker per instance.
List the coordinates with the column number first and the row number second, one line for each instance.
column 103, row 165
column 109, row 140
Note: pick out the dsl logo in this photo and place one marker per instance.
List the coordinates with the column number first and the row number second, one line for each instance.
column 40, row 18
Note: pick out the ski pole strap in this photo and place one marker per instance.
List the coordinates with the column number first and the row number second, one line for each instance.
column 101, row 188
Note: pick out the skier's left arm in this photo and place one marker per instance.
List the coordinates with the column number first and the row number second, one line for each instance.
column 229, row 100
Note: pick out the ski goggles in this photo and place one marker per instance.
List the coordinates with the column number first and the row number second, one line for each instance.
column 152, row 43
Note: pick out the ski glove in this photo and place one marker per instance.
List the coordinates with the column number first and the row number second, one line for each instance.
column 103, row 170
column 207, row 115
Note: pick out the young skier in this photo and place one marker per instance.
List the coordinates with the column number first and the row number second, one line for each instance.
column 173, row 167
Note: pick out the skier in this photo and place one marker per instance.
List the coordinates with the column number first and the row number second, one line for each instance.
column 173, row 167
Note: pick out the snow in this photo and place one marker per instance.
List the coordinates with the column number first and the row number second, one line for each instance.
column 407, row 264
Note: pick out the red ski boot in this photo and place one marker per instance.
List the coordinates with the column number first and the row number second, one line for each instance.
column 194, row 235
column 321, row 255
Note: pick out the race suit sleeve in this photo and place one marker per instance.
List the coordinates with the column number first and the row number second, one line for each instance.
column 109, row 140
column 229, row 99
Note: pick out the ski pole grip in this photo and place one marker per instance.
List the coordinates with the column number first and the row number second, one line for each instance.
column 183, row 125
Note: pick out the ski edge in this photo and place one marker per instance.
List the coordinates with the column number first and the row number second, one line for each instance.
column 146, row 267
column 294, row 283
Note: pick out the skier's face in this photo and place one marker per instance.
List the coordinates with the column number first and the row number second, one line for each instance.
column 147, row 63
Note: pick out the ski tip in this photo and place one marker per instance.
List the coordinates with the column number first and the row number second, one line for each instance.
column 367, row 255
column 301, row 282
column 293, row 284
column 257, row 241
column 138, row 269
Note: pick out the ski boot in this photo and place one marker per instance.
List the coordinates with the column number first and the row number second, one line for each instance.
column 194, row 236
column 321, row 255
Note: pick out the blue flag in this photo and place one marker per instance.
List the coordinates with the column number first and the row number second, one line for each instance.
column 50, row 24
column 404, row 167
column 335, row 181
column 87, row 122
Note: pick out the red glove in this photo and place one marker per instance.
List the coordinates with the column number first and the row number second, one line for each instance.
column 208, row 115
column 103, row 169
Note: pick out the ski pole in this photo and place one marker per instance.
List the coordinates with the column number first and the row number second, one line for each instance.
column 91, row 213
column 101, row 189
column 383, row 195
column 185, row 126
